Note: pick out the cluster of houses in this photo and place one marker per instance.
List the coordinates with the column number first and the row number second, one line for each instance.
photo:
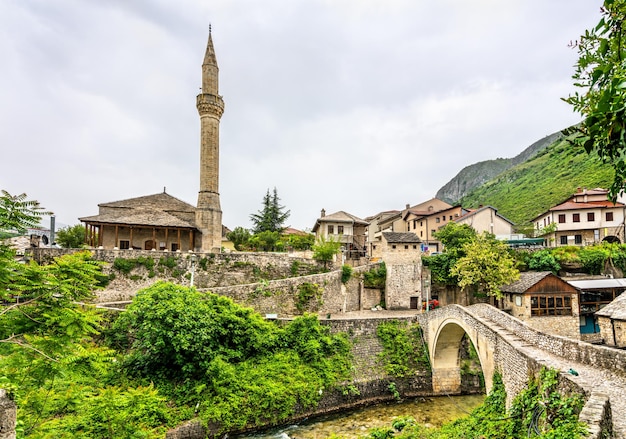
column 587, row 308
column 585, row 218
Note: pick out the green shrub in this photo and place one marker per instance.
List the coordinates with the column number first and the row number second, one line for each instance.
column 124, row 265
column 404, row 351
column 543, row 260
column 170, row 262
column 346, row 273
column 376, row 277
column 307, row 293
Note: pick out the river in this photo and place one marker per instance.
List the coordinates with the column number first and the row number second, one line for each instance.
column 433, row 411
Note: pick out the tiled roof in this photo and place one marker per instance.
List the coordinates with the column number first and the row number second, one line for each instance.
column 571, row 205
column 339, row 217
column 139, row 217
column 160, row 210
column 401, row 237
column 526, row 280
column 343, row 216
column 162, row 200
column 471, row 212
column 615, row 310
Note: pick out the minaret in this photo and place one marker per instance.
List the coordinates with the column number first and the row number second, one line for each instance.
column 210, row 107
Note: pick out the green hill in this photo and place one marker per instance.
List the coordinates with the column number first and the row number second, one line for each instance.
column 546, row 179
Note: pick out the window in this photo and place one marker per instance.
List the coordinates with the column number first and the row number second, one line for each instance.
column 331, row 229
column 609, row 216
column 432, row 232
column 551, row 305
column 174, row 246
column 591, row 216
column 421, row 233
column 578, row 239
column 414, row 247
column 340, row 230
column 564, row 240
column 576, row 217
column 406, row 247
column 393, row 246
column 561, row 218
column 437, row 219
column 422, row 222
column 124, row 245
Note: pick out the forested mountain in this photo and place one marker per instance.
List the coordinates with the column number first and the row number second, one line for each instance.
column 546, row 173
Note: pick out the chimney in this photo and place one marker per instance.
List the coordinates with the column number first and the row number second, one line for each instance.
column 323, row 213
column 407, row 206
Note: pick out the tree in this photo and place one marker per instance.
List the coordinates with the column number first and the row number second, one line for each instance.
column 601, row 73
column 453, row 236
column 71, row 236
column 39, row 308
column 325, row 249
column 18, row 213
column 487, row 264
column 272, row 217
column 266, row 241
column 239, row 237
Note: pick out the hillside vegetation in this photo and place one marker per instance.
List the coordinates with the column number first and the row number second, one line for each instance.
column 475, row 175
column 548, row 178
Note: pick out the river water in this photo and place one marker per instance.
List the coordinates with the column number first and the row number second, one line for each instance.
column 433, row 412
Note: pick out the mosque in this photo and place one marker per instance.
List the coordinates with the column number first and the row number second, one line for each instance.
column 161, row 221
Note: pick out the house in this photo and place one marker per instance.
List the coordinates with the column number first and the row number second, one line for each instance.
column 487, row 219
column 159, row 222
column 585, row 218
column 402, row 221
column 595, row 295
column 426, row 223
column 345, row 228
column 401, row 252
column 612, row 322
column 544, row 301
column 373, row 231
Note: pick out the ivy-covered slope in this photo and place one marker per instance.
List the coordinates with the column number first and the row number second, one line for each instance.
column 532, row 187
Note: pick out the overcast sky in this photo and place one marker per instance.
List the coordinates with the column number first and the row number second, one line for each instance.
column 353, row 105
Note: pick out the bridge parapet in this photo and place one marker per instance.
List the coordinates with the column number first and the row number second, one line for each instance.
column 603, row 357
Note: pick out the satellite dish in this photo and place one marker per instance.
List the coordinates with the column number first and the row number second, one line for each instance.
column 44, row 239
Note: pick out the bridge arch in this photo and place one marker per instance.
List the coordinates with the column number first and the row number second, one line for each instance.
column 445, row 338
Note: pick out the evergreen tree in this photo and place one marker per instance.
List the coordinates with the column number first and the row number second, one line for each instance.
column 272, row 217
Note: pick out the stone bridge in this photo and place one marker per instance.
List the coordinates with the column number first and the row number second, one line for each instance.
column 517, row 351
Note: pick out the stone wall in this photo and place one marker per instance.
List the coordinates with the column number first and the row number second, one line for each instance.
column 283, row 296
column 8, row 416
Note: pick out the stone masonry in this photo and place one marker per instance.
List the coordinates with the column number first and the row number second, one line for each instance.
column 8, row 416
